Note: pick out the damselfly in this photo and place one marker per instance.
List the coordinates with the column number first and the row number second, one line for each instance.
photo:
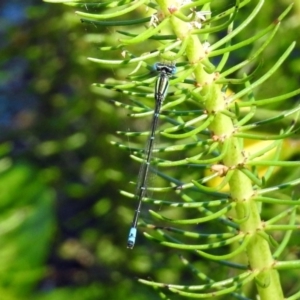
column 161, row 89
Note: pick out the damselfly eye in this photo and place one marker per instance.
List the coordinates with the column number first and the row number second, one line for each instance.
column 169, row 69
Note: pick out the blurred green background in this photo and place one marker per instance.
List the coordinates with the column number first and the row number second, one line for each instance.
column 63, row 223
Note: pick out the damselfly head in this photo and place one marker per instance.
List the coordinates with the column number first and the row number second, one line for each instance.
column 169, row 69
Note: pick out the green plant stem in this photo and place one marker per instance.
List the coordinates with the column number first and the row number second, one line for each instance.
column 258, row 251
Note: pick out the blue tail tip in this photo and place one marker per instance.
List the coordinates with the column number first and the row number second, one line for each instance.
column 131, row 238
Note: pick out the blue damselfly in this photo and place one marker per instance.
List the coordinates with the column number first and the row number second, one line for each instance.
column 161, row 89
